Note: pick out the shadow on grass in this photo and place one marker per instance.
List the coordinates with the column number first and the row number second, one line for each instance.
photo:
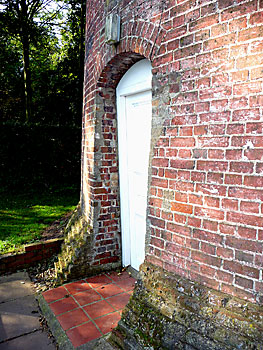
column 24, row 216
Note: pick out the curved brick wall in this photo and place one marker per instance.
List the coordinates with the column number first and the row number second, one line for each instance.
column 205, row 197
column 204, row 221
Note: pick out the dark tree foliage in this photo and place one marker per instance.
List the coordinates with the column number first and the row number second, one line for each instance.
column 66, row 92
column 19, row 20
column 11, row 77
column 42, row 54
column 71, row 67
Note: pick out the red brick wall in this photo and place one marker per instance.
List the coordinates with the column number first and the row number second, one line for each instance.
column 205, row 196
column 32, row 254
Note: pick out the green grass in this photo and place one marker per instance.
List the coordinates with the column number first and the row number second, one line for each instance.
column 24, row 216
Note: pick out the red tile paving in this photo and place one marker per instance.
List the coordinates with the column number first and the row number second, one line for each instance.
column 115, row 276
column 72, row 318
column 99, row 309
column 108, row 322
column 98, row 281
column 119, row 301
column 63, row 305
column 83, row 334
column 109, row 290
column 77, row 287
column 55, row 294
column 127, row 284
column 87, row 297
column 92, row 307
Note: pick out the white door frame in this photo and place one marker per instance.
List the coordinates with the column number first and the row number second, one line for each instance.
column 137, row 79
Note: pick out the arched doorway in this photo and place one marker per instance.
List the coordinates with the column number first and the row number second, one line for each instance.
column 134, row 115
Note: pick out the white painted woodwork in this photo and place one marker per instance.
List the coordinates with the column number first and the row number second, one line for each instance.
column 134, row 114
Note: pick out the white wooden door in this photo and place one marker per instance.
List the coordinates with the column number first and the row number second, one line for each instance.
column 134, row 112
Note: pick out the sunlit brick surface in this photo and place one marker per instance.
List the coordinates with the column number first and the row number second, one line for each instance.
column 205, row 175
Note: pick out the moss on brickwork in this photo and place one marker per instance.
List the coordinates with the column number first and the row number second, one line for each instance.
column 170, row 312
column 76, row 259
column 76, row 248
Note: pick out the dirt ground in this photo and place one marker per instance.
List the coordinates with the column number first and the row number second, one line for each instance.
column 56, row 229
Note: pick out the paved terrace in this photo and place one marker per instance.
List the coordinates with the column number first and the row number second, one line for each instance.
column 20, row 326
column 80, row 314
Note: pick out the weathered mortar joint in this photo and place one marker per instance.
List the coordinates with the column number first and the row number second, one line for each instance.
column 170, row 312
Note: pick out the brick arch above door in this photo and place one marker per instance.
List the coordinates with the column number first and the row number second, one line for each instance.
column 138, row 37
column 100, row 183
column 100, row 186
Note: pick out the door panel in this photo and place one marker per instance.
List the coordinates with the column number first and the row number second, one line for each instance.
column 138, row 133
column 138, row 109
column 134, row 110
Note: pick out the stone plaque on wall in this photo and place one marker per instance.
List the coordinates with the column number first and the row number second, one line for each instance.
column 112, row 29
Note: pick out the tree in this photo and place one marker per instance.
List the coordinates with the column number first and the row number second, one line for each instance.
column 47, row 37
column 72, row 54
column 11, row 68
column 21, row 18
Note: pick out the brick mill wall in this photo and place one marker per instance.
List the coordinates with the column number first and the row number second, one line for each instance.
column 205, row 208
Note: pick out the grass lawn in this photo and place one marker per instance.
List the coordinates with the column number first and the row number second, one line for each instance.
column 24, row 216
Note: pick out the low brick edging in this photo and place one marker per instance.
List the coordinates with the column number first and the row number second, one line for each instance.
column 33, row 254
